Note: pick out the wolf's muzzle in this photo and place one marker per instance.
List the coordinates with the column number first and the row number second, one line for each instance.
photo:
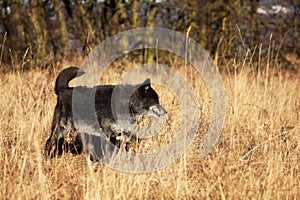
column 157, row 110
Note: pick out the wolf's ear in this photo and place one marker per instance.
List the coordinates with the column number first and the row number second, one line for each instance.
column 147, row 82
column 145, row 86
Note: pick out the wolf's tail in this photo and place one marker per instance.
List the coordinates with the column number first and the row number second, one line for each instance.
column 65, row 76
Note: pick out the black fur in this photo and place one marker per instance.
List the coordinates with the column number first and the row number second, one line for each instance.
column 141, row 100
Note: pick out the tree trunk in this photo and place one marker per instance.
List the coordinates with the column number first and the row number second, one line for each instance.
column 64, row 48
column 39, row 36
column 82, row 21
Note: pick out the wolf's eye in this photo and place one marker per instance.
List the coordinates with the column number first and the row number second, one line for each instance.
column 146, row 88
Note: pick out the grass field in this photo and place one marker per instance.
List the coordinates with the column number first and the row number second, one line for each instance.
column 257, row 155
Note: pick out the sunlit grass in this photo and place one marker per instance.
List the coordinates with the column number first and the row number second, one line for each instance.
column 257, row 156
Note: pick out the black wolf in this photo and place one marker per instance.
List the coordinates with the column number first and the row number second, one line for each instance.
column 131, row 102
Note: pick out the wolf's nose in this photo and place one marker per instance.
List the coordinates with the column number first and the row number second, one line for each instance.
column 163, row 111
column 158, row 110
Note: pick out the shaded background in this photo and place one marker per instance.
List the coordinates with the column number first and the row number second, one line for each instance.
column 39, row 34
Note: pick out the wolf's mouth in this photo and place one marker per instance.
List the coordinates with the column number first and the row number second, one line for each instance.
column 157, row 110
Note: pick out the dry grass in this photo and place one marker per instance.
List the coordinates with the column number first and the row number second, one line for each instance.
column 257, row 156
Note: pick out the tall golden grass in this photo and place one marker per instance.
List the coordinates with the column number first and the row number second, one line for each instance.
column 257, row 156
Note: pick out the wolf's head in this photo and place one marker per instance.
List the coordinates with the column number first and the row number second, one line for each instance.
column 145, row 101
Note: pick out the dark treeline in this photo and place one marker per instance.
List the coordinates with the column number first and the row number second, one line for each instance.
column 39, row 33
